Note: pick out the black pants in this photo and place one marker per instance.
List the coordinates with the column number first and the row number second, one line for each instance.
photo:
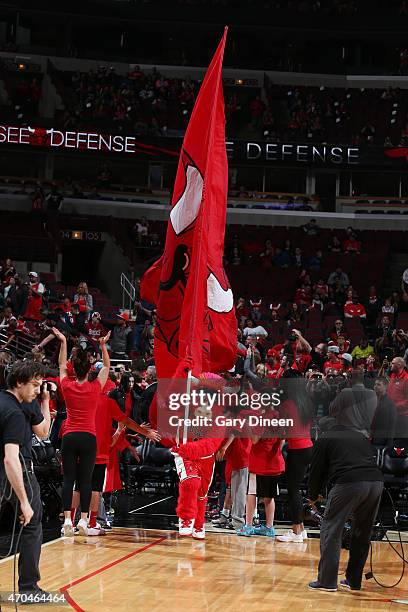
column 360, row 500
column 78, row 460
column 296, row 465
column 31, row 537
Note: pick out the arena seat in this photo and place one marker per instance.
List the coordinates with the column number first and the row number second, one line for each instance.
column 394, row 466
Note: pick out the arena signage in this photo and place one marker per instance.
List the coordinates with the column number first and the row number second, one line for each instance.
column 82, row 141
column 297, row 153
column 239, row 151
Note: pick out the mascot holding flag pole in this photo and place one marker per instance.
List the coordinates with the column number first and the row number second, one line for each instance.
column 196, row 328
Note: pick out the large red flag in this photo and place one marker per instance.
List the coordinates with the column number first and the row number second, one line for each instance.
column 196, row 325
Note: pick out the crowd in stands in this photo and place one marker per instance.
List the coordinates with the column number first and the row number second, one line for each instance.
column 358, row 116
column 150, row 103
column 140, row 102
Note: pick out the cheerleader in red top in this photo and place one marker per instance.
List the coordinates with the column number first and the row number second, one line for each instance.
column 296, row 405
column 107, row 411
column 79, row 438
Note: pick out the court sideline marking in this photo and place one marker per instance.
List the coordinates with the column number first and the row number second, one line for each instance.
column 152, row 504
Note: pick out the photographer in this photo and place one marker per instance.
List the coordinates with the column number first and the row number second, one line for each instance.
column 344, row 457
column 20, row 417
column 319, row 391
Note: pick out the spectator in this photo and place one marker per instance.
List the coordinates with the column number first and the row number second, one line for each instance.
column 241, row 310
column 35, row 297
column 18, row 297
column 316, row 261
column 54, row 199
column 7, row 318
column 385, row 327
column 282, row 258
column 322, row 290
column 251, row 331
column 317, row 302
column 85, row 302
column 383, row 425
column 143, row 406
column 94, row 328
column 347, row 362
column 142, row 230
column 120, row 339
column 37, row 200
column 255, row 310
column 9, row 288
column 7, row 271
column 354, row 309
column 267, row 254
column 334, row 245
column 388, row 308
column 338, row 276
column 373, row 306
column 303, row 295
column 311, row 228
column 362, row 350
column 333, row 362
column 297, row 258
column 342, row 343
column 294, row 316
column 352, row 246
column 398, row 393
column 143, row 311
column 337, row 330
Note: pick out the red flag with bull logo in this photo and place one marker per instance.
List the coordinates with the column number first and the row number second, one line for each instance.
column 196, row 325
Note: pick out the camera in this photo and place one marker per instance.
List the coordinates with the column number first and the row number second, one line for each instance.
column 51, row 387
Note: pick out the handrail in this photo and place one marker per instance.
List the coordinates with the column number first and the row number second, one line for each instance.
column 128, row 291
column 20, row 345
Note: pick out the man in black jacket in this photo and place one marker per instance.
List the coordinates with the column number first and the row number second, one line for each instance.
column 344, row 457
column 385, row 418
column 20, row 417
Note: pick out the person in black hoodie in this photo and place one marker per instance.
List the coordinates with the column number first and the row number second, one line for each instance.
column 344, row 458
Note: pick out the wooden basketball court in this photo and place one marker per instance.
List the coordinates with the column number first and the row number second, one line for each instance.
column 155, row 569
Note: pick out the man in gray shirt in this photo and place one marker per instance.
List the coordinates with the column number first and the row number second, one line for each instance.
column 119, row 340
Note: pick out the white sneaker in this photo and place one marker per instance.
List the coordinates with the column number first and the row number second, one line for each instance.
column 290, row 536
column 199, row 534
column 304, row 534
column 186, row 527
column 82, row 527
column 67, row 530
column 96, row 531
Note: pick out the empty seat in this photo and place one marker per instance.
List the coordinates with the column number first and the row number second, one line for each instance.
column 395, row 467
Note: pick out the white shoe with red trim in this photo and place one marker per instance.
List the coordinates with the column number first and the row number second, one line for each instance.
column 96, row 531
column 199, row 534
column 186, row 527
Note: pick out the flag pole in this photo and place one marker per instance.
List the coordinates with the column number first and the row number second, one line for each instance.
column 187, row 407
